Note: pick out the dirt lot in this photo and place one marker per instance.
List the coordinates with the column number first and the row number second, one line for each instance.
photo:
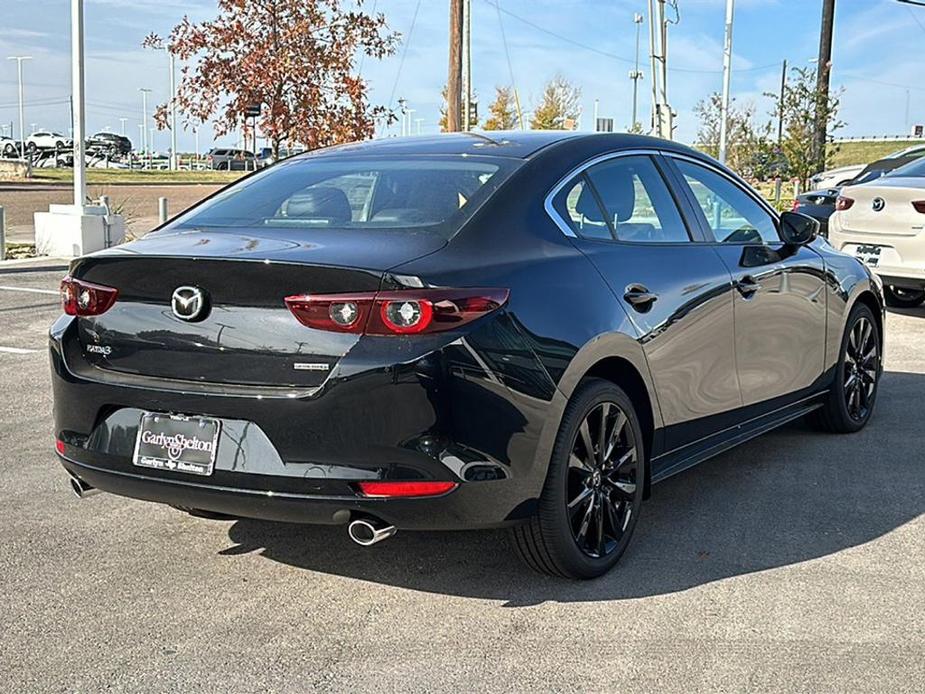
column 139, row 203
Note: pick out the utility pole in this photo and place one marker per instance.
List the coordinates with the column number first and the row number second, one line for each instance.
column 823, row 75
column 636, row 74
column 22, row 120
column 77, row 91
column 662, row 115
column 727, row 81
column 144, row 118
column 780, row 104
column 454, row 78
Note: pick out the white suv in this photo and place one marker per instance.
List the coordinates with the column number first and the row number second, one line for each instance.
column 45, row 139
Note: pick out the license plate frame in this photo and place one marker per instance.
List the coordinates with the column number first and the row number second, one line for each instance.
column 869, row 254
column 185, row 444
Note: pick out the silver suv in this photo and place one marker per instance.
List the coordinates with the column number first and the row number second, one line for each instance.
column 229, row 159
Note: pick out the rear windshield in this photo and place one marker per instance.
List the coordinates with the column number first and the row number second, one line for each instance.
column 912, row 169
column 426, row 193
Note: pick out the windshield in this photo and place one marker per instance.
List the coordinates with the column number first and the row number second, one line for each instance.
column 426, row 193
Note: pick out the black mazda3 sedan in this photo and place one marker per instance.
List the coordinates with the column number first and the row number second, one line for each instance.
column 527, row 330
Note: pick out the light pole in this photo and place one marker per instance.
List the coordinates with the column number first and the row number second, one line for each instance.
column 418, row 122
column 173, row 110
column 22, row 120
column 144, row 118
column 122, row 121
column 636, row 74
column 727, row 79
column 401, row 105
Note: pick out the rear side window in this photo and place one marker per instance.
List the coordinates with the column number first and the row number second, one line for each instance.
column 625, row 199
column 423, row 193
column 637, row 202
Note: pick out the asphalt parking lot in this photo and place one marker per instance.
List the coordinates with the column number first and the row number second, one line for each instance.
column 794, row 563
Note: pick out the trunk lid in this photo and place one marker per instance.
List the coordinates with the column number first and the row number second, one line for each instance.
column 893, row 214
column 246, row 335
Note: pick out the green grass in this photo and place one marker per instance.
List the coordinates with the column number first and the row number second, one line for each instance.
column 848, row 153
column 134, row 177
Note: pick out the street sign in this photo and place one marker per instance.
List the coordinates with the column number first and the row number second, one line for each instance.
column 252, row 111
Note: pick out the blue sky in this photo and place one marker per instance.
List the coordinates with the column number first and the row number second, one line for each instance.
column 876, row 57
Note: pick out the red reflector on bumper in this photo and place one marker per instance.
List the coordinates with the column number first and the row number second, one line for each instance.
column 405, row 489
column 59, row 446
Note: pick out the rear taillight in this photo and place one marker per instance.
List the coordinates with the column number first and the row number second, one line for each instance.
column 796, row 205
column 843, row 203
column 59, row 446
column 79, row 298
column 404, row 489
column 919, row 206
column 407, row 312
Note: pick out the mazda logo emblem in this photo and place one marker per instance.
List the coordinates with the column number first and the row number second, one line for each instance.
column 189, row 303
column 878, row 204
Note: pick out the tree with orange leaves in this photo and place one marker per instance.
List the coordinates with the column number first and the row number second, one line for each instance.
column 294, row 58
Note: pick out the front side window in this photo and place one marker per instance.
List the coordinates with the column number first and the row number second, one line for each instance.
column 731, row 213
column 426, row 194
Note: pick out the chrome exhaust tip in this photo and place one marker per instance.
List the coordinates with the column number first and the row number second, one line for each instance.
column 367, row 532
column 81, row 489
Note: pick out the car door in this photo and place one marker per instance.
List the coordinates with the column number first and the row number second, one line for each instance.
column 780, row 299
column 676, row 290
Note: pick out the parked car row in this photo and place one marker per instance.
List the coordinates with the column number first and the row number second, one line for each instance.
column 103, row 144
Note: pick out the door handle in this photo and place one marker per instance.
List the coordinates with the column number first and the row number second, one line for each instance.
column 748, row 286
column 639, row 297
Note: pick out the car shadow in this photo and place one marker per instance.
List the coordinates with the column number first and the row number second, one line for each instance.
column 790, row 496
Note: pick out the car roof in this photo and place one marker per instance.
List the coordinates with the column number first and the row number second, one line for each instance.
column 500, row 143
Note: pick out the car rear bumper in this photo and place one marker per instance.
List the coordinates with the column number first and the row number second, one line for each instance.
column 299, row 457
column 901, row 261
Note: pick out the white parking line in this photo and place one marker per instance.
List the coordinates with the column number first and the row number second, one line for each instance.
column 18, row 350
column 29, row 289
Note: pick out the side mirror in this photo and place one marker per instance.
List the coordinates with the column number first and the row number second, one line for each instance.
column 798, row 229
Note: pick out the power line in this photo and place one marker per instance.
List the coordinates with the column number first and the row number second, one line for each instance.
column 608, row 54
column 404, row 52
column 510, row 65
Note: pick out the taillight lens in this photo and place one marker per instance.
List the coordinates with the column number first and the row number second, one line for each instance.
column 404, row 489
column 842, row 203
column 406, row 312
column 919, row 206
column 79, row 298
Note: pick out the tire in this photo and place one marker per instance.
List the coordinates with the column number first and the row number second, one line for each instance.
column 31, row 147
column 59, row 146
column 897, row 297
column 590, row 503
column 850, row 402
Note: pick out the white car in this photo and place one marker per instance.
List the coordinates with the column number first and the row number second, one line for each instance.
column 883, row 224
column 8, row 147
column 835, row 178
column 45, row 139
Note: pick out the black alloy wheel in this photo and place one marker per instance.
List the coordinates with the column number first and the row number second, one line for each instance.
column 861, row 369
column 899, row 297
column 602, row 480
column 593, row 493
column 851, row 399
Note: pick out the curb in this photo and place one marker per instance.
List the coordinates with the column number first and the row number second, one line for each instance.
column 33, row 265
